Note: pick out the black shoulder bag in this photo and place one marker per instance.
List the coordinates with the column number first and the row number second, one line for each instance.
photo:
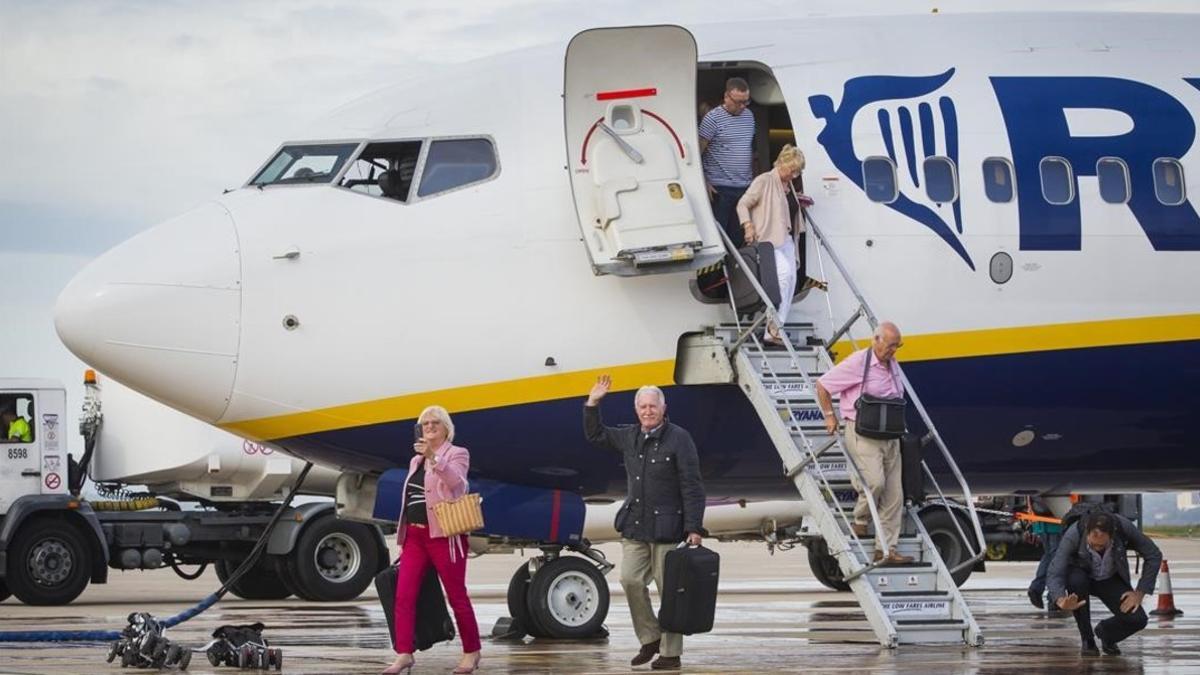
column 877, row 417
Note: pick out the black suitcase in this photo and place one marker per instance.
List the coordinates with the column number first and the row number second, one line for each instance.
column 912, row 476
column 689, row 592
column 433, row 620
column 760, row 264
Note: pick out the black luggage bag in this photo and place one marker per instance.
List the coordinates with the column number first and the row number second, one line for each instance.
column 760, row 264
column 433, row 620
column 689, row 592
column 712, row 282
column 912, row 476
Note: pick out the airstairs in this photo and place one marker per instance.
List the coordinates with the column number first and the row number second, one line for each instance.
column 914, row 603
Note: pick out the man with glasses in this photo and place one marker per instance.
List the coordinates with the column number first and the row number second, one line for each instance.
column 877, row 460
column 727, row 154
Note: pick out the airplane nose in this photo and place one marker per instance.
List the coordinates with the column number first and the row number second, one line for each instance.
column 161, row 312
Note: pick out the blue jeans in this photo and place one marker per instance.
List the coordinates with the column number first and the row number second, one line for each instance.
column 725, row 211
column 1049, row 546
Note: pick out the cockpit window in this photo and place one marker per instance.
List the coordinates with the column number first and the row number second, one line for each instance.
column 304, row 164
column 384, row 169
column 457, row 162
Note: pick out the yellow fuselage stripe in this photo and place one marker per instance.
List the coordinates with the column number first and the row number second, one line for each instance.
column 934, row 346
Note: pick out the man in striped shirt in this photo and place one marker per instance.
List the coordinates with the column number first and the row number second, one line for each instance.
column 727, row 153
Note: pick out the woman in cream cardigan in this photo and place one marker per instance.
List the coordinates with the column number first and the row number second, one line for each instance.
column 770, row 211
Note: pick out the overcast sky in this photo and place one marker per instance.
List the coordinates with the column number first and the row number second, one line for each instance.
column 116, row 115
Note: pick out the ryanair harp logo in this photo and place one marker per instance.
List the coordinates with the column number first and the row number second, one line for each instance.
column 914, row 124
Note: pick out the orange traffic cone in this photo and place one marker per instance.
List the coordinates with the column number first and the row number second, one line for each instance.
column 1166, row 599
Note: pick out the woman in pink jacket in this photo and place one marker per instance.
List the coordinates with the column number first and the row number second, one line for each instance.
column 437, row 473
column 770, row 211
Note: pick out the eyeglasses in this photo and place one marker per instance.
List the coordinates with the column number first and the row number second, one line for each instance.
column 740, row 102
column 431, row 423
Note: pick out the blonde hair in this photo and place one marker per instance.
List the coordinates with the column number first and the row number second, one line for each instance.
column 790, row 157
column 440, row 414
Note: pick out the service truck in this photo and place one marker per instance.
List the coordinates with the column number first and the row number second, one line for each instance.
column 165, row 491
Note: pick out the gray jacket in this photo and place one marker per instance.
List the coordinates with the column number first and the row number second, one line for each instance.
column 1073, row 552
column 664, row 494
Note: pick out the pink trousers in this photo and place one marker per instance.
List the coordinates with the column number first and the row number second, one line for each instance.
column 418, row 553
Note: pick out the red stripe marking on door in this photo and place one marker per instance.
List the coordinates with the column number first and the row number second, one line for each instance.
column 626, row 93
column 555, row 511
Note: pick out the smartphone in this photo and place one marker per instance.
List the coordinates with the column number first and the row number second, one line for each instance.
column 418, row 433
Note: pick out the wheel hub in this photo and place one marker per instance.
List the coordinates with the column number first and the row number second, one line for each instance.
column 337, row 557
column 50, row 562
column 573, row 598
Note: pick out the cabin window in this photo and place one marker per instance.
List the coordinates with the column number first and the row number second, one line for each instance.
column 305, row 164
column 1058, row 181
column 1168, row 182
column 455, row 163
column 16, row 422
column 879, row 180
column 998, row 179
column 384, row 169
column 1112, row 174
column 941, row 180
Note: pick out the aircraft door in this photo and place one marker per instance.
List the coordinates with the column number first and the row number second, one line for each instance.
column 629, row 108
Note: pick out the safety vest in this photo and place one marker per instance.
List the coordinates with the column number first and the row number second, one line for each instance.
column 19, row 429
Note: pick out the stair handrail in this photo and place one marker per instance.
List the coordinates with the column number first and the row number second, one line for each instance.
column 772, row 315
column 865, row 309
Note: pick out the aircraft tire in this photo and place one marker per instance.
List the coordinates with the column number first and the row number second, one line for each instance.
column 49, row 562
column 568, row 598
column 259, row 583
column 939, row 524
column 4, row 592
column 518, row 603
column 825, row 566
column 334, row 560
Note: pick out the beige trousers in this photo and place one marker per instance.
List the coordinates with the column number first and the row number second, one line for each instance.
column 641, row 562
column 879, row 463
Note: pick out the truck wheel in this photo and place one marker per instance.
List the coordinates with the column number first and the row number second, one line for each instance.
column 334, row 560
column 939, row 523
column 49, row 562
column 568, row 597
column 259, row 583
column 825, row 566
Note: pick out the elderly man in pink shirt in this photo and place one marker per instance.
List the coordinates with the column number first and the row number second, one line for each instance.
column 877, row 460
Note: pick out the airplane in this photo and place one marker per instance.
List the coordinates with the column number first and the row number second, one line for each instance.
column 1011, row 188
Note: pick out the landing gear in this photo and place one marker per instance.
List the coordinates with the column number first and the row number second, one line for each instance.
column 939, row 523
column 825, row 567
column 564, row 597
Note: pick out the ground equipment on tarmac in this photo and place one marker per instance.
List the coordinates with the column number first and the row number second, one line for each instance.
column 243, row 646
column 144, row 644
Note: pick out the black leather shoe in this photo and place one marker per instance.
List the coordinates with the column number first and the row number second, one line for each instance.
column 666, row 663
column 1107, row 647
column 1036, row 599
column 1089, row 648
column 646, row 653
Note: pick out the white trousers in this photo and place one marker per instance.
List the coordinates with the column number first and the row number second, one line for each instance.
column 785, row 267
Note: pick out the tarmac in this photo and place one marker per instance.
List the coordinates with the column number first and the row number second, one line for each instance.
column 772, row 617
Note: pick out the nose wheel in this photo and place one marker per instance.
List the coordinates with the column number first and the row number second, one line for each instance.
column 563, row 597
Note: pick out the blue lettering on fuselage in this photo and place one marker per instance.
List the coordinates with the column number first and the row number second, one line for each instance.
column 1034, row 110
column 1035, row 117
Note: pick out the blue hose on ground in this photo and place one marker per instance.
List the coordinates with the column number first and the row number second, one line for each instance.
column 208, row 601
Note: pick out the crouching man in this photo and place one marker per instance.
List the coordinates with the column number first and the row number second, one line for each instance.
column 1091, row 561
column 664, row 505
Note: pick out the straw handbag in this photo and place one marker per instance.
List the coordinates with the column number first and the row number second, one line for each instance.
column 461, row 515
